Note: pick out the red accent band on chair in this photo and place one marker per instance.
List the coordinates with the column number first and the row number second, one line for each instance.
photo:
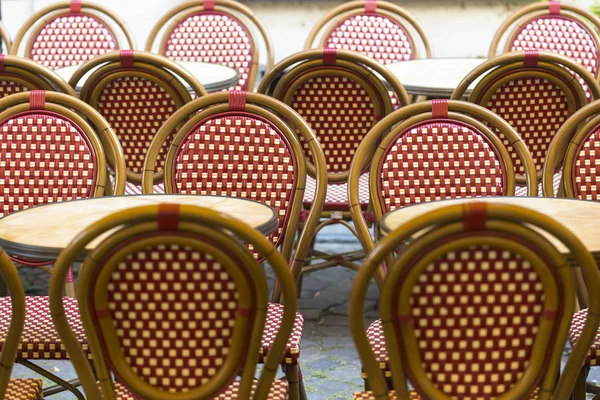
column 531, row 57
column 474, row 216
column 70, row 278
column 126, row 57
column 1, row 62
column 168, row 217
column 554, row 7
column 244, row 312
column 439, row 108
column 329, row 56
column 549, row 314
column 237, row 100
column 404, row 319
column 102, row 312
column 37, row 99
column 75, row 6
column 209, row 5
column 370, row 6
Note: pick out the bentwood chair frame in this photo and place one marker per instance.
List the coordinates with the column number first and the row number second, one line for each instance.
column 36, row 23
column 500, row 71
column 294, row 73
column 373, row 150
column 14, row 388
column 5, row 38
column 203, row 230
column 160, row 71
column 292, row 127
column 30, row 75
column 456, row 227
column 243, row 16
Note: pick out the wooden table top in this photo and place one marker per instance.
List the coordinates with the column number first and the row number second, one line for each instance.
column 579, row 216
column 41, row 233
column 434, row 77
column 213, row 77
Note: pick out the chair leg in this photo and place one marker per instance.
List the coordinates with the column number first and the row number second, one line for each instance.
column 580, row 385
column 62, row 385
column 292, row 376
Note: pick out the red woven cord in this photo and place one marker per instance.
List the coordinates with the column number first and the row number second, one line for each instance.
column 37, row 99
column 102, row 312
column 370, row 6
column 1, row 62
column 554, row 7
column 439, row 108
column 237, row 100
column 369, row 217
column 531, row 57
column 75, row 6
column 303, row 215
column 474, row 216
column 403, row 318
column 209, row 5
column 329, row 56
column 244, row 312
column 126, row 57
column 168, row 217
column 70, row 278
column 549, row 314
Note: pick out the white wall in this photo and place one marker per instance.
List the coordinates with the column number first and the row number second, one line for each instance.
column 455, row 28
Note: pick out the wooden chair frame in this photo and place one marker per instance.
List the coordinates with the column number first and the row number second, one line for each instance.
column 371, row 152
column 179, row 13
column 5, row 37
column 160, row 70
column 498, row 71
column 33, row 75
column 196, row 220
column 446, row 222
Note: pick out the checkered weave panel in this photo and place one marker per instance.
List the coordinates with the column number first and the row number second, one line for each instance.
column 215, row 38
column 522, row 190
column 39, row 340
column 24, row 389
column 536, row 108
column 136, row 108
column 43, row 159
column 8, row 87
column 132, row 188
column 336, row 198
column 174, row 311
column 575, row 331
column 340, row 112
column 71, row 39
column 240, row 157
column 292, row 350
column 476, row 313
column 586, row 169
column 416, row 396
column 436, row 161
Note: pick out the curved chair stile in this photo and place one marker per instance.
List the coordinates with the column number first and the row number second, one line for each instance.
column 6, row 41
column 19, row 74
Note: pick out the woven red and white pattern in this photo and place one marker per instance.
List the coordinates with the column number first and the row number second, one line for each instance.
column 337, row 194
column 436, row 161
column 575, row 331
column 279, row 391
column 24, row 389
column 213, row 37
column 133, row 189
column 136, row 108
column 536, row 108
column 416, row 396
column 238, row 156
column 377, row 36
column 71, row 39
column 43, row 159
column 272, row 323
column 39, row 340
column 586, row 168
column 377, row 342
column 174, row 310
column 340, row 112
column 522, row 190
column 8, row 87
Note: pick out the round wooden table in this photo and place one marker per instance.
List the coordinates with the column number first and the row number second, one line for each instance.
column 579, row 216
column 41, row 233
column 213, row 77
column 434, row 77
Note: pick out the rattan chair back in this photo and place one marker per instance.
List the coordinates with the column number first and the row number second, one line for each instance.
column 174, row 304
column 477, row 305
column 136, row 92
column 535, row 92
column 217, row 31
column 19, row 74
column 70, row 33
column 6, row 42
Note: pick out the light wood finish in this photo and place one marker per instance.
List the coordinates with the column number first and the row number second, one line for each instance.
column 43, row 232
column 5, row 37
column 435, row 77
column 33, row 75
column 213, row 77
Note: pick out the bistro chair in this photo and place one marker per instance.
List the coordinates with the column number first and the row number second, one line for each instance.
column 341, row 94
column 69, row 33
column 14, row 389
column 19, row 74
column 248, row 145
column 5, row 41
column 136, row 91
column 174, row 305
column 535, row 92
column 50, row 152
column 216, row 31
column 476, row 306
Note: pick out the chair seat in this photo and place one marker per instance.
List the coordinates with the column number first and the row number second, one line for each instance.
column 522, row 190
column 279, row 390
column 134, row 188
column 412, row 396
column 577, row 323
column 337, row 194
column 24, row 389
column 292, row 350
column 39, row 339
